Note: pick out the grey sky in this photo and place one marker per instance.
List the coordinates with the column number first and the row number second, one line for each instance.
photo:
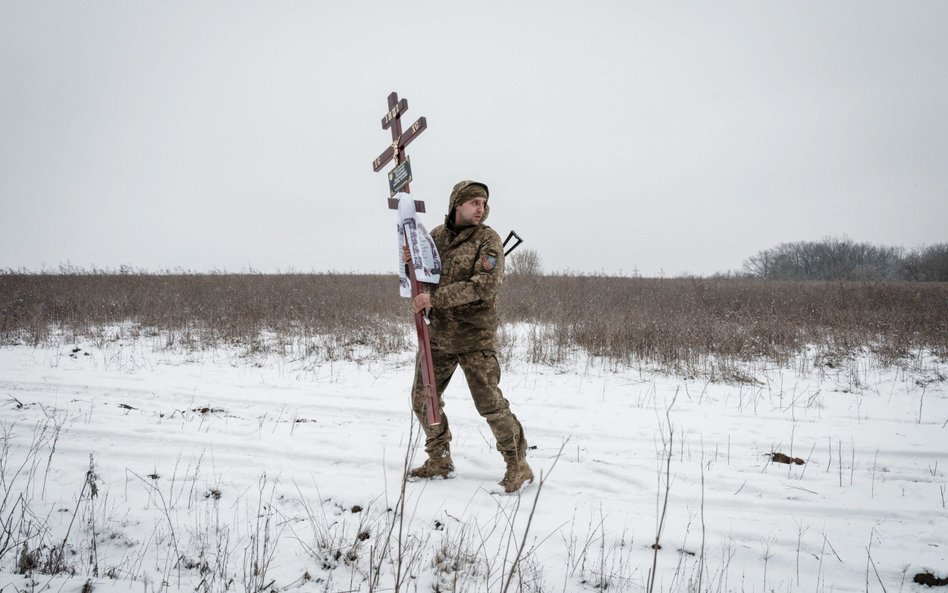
column 615, row 136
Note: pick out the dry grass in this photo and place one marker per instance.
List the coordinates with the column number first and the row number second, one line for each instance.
column 206, row 310
column 678, row 324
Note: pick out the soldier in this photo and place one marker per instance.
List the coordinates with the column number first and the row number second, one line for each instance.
column 463, row 317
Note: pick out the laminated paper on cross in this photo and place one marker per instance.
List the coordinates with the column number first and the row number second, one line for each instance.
column 424, row 254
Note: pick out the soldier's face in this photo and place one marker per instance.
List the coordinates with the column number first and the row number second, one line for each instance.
column 470, row 212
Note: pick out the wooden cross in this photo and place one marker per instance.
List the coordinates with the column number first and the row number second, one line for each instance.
column 396, row 150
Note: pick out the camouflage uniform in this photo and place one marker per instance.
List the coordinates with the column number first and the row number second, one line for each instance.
column 463, row 327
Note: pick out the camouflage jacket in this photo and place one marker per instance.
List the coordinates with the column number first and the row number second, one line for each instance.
column 463, row 305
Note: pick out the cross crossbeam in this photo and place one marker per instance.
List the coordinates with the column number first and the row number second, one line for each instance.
column 398, row 145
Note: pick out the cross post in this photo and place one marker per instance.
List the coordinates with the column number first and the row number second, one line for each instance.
column 399, row 179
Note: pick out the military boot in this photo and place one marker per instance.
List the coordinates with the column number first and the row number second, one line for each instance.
column 518, row 472
column 433, row 467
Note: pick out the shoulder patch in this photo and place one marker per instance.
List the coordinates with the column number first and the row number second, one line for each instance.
column 488, row 262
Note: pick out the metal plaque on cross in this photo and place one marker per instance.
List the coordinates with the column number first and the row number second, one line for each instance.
column 399, row 177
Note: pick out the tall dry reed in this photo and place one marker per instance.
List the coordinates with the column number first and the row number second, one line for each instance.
column 675, row 323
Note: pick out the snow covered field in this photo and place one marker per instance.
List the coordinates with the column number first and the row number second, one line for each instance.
column 160, row 470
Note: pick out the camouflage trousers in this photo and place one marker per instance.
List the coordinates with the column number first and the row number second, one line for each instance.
column 482, row 372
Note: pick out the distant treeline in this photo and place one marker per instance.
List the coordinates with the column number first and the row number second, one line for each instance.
column 829, row 259
column 843, row 259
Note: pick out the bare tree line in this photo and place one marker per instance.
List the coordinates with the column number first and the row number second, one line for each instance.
column 830, row 259
column 525, row 262
column 843, row 259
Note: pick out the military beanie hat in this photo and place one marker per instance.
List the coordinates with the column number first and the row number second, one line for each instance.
column 467, row 190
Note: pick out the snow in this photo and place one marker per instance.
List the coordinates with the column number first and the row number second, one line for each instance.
column 208, row 464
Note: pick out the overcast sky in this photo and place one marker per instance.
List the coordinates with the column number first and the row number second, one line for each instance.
column 616, row 136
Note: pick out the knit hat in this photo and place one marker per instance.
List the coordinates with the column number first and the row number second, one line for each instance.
column 467, row 190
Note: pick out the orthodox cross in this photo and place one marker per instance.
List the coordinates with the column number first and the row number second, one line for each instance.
column 398, row 180
column 401, row 175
